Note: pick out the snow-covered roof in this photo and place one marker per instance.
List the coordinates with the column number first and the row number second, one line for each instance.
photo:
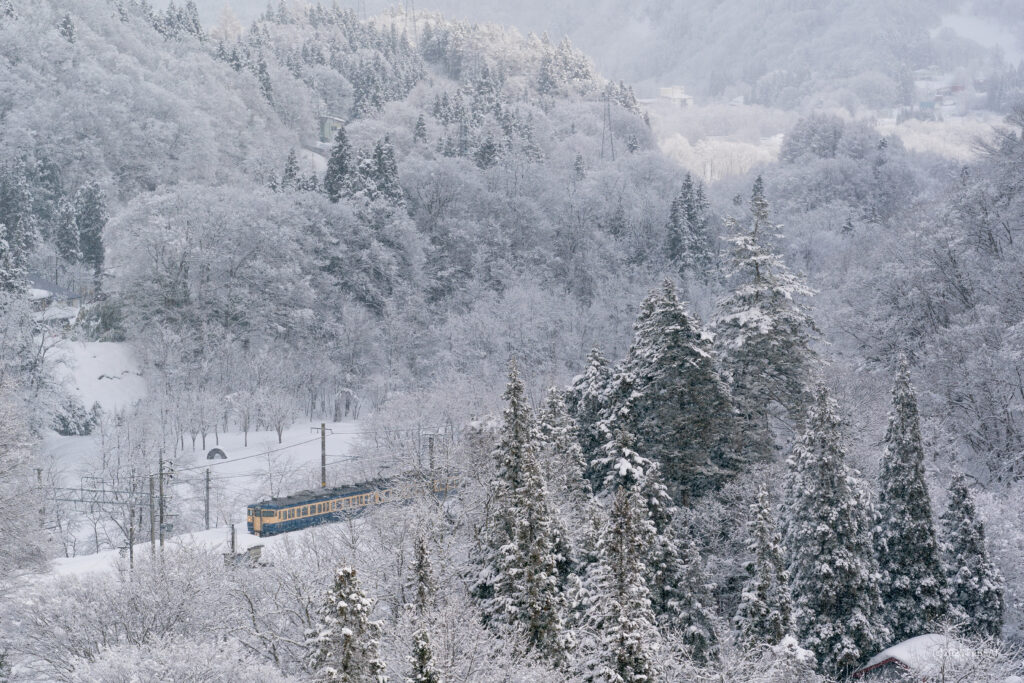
column 919, row 654
column 38, row 294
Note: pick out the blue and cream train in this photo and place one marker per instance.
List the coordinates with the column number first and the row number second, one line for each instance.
column 320, row 506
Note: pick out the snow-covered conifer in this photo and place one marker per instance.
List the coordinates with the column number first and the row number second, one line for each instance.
column 519, row 583
column 765, row 614
column 625, row 639
column 764, row 331
column 975, row 585
column 345, row 644
column 91, row 216
column 913, row 583
column 586, row 400
column 339, row 166
column 66, row 238
column 679, row 408
column 834, row 576
column 290, row 177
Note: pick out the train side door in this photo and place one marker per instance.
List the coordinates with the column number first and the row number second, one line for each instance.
column 257, row 521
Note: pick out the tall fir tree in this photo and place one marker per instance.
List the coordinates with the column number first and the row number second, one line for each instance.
column 976, row 589
column 345, row 645
column 624, row 640
column 421, row 662
column 519, row 583
column 765, row 614
column 290, row 177
column 586, row 400
column 263, row 77
column 679, row 593
column 834, row 576
column 679, row 410
column 419, row 133
column 91, row 217
column 339, row 167
column 913, row 582
column 764, row 332
column 385, row 173
column 688, row 243
column 66, row 238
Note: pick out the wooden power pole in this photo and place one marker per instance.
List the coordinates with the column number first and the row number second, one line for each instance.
column 207, row 508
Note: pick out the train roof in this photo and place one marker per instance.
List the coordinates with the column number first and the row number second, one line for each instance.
column 315, row 495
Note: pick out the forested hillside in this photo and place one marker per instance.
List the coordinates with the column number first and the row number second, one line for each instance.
column 711, row 391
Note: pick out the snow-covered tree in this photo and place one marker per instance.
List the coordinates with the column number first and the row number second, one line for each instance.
column 419, row 133
column 763, row 330
column 765, row 614
column 519, row 581
column 688, row 243
column 385, row 173
column 421, row 663
column 834, row 576
column 91, row 216
column 339, row 166
column 682, row 586
column 66, row 238
column 290, row 177
column 345, row 645
column 678, row 409
column 913, row 584
column 586, row 400
column 67, row 28
column 618, row 610
column 975, row 585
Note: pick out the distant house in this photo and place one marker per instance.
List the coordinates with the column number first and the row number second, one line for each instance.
column 924, row 655
column 676, row 95
column 329, row 127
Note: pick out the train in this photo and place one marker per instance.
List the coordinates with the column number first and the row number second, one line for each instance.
column 322, row 506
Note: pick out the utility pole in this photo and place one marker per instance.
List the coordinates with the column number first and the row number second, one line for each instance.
column 323, row 452
column 232, row 539
column 207, row 498
column 152, row 518
column 161, row 483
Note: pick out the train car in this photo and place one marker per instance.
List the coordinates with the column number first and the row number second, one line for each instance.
column 321, row 506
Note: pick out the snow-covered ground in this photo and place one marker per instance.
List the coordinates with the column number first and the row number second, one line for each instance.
column 101, row 372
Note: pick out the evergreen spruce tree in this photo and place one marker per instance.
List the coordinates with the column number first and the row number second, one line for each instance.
column 91, row 217
column 519, row 583
column 683, row 597
column 425, row 585
column 339, row 167
column 419, row 133
column 913, row 584
column 586, row 400
column 688, row 242
column 66, row 238
column 290, row 177
column 385, row 173
column 765, row 614
column 834, row 576
column 345, row 644
column 67, row 28
column 422, row 661
column 679, row 408
column 975, row 585
column 7, row 10
column 263, row 76
column 764, row 332
column 617, row 601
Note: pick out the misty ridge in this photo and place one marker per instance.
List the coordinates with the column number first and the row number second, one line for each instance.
column 447, row 341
